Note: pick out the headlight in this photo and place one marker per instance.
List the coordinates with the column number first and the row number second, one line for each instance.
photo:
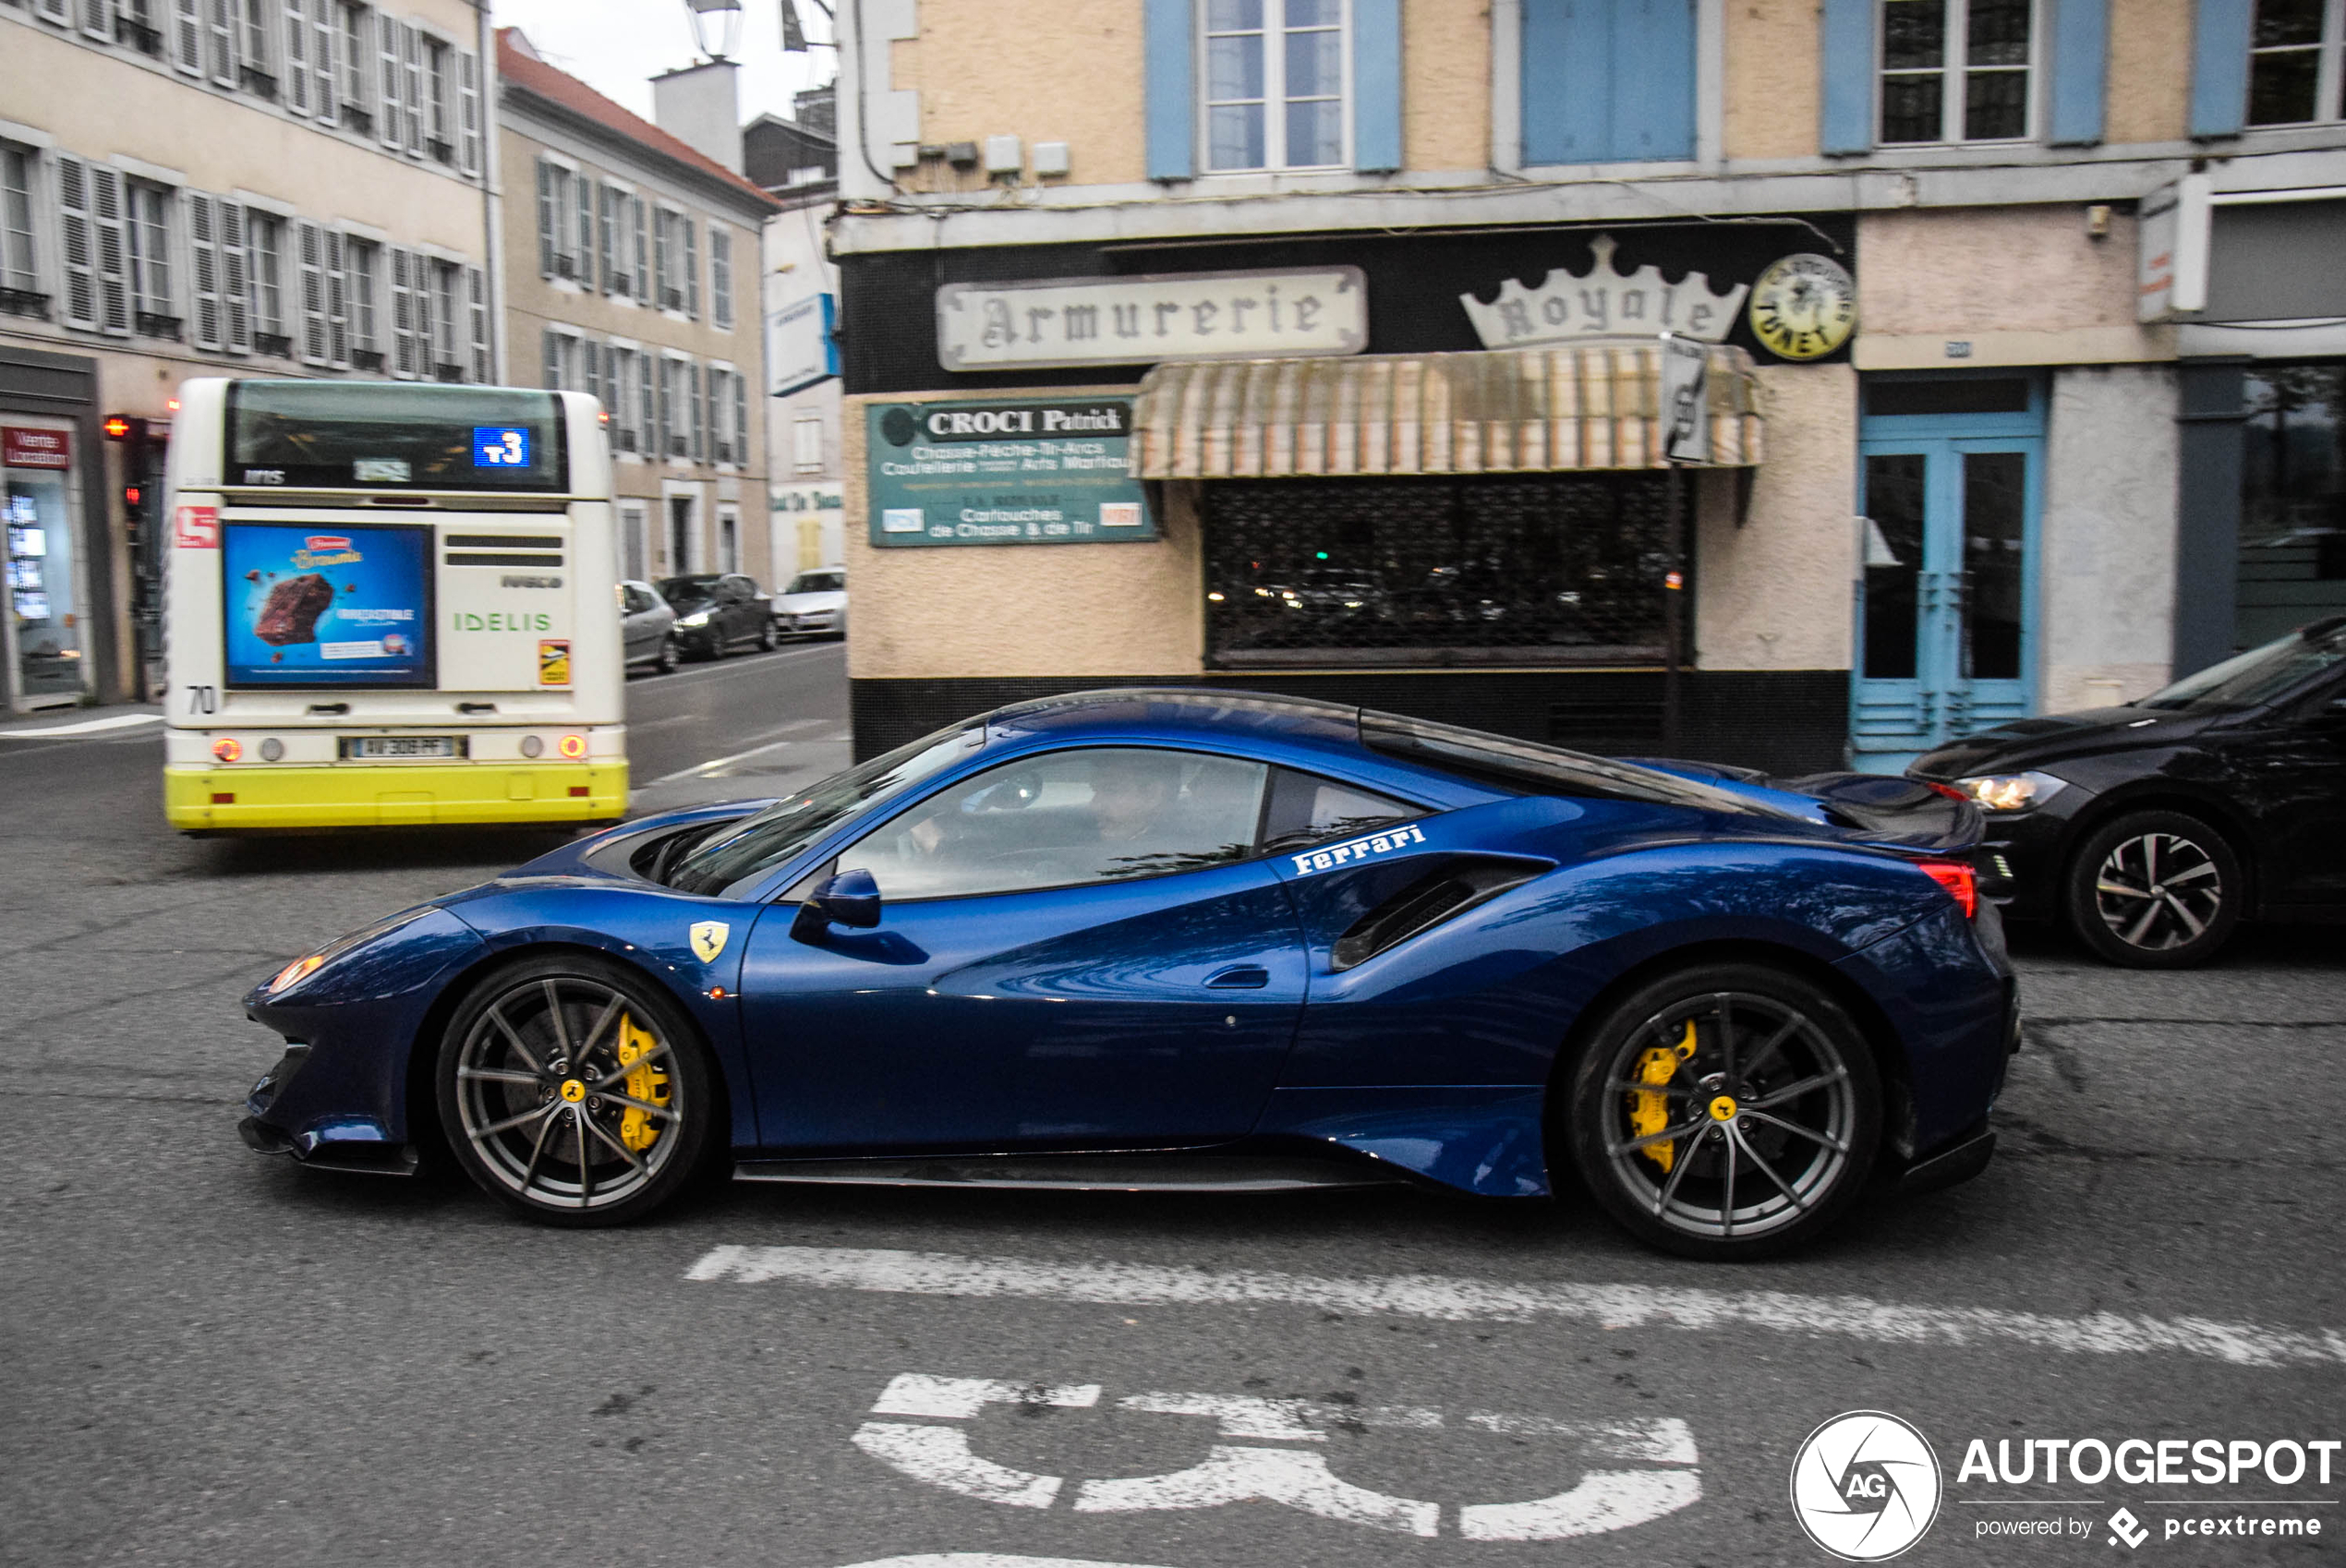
column 694, row 621
column 2012, row 791
column 301, row 968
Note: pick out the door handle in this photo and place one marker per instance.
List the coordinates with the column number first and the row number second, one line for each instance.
column 1239, row 977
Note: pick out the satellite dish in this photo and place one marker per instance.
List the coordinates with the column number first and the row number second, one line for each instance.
column 720, row 19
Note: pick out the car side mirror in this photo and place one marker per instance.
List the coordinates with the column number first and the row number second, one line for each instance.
column 850, row 899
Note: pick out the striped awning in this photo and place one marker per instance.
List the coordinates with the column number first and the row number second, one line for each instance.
column 1516, row 411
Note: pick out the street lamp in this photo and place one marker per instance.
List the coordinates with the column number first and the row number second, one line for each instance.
column 723, row 18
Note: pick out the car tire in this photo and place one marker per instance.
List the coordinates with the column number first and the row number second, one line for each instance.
column 1781, row 1116
column 769, row 639
column 2155, row 890
column 670, row 656
column 537, row 1102
column 716, row 641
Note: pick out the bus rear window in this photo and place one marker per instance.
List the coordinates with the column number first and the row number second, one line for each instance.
column 386, row 436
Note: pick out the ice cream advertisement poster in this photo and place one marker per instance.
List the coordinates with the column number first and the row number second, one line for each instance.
column 317, row 605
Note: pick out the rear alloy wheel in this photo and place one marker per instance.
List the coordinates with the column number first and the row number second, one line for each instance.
column 670, row 656
column 574, row 1092
column 1726, row 1112
column 2155, row 890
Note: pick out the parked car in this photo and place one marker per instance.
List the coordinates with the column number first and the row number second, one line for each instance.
column 717, row 612
column 647, row 628
column 814, row 605
column 2154, row 829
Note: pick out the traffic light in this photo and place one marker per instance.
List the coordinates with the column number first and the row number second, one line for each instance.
column 125, row 428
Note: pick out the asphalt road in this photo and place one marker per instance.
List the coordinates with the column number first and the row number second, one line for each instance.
column 216, row 1358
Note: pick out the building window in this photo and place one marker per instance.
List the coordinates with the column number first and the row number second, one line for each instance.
column 2292, row 516
column 1955, row 70
column 20, row 256
column 673, row 259
column 721, row 277
column 676, row 407
column 265, row 260
column 1274, row 79
column 622, row 372
column 358, row 25
column 2295, row 67
column 440, row 77
column 448, row 314
column 614, row 249
column 729, row 536
column 362, row 268
column 806, row 444
column 559, row 357
column 147, row 229
column 254, row 56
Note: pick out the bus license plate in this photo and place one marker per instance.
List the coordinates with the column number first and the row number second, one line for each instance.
column 367, row 747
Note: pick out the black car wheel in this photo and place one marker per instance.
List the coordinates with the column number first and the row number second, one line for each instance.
column 670, row 656
column 1726, row 1112
column 715, row 640
column 574, row 1092
column 2155, row 890
column 769, row 639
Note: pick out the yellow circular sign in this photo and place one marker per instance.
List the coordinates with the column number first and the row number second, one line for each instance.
column 1804, row 306
column 574, row 1089
column 1723, row 1109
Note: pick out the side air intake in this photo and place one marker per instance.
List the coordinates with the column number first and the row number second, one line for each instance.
column 1439, row 896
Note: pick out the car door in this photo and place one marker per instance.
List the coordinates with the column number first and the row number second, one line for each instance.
column 1076, row 950
column 2289, row 768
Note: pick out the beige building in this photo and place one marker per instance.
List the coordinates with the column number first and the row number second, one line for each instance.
column 2025, row 377
column 633, row 273
column 283, row 188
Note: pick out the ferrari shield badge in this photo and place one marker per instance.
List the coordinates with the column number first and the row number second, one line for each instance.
column 709, row 940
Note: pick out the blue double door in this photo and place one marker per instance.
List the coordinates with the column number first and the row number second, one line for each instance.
column 1946, row 599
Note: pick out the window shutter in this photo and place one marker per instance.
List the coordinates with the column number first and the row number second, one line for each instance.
column 1848, row 66
column 591, row 358
column 549, row 359
column 411, row 50
column 325, row 35
column 720, row 275
column 1169, row 44
column 387, row 124
column 297, row 56
column 741, row 419
column 97, row 20
column 78, row 242
column 468, row 108
column 582, row 244
column 2219, row 66
column 2079, row 34
column 664, row 370
column 693, row 396
column 477, row 311
column 545, row 219
column 604, row 238
column 1651, row 73
column 661, row 264
column 1376, row 86
column 203, row 252
column 641, row 272
column 646, row 428
column 114, row 269
column 403, row 315
column 224, row 42
column 692, row 270
column 53, row 11
column 236, row 299
column 337, row 305
column 187, row 36
column 309, row 253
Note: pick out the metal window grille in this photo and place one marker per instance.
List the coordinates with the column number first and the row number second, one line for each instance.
column 1562, row 569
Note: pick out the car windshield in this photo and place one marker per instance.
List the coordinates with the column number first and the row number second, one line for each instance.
column 765, row 841
column 817, row 582
column 2259, row 675
column 697, row 587
column 1526, row 764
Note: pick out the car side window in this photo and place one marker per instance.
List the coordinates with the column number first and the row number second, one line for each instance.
column 1106, row 814
column 1306, row 809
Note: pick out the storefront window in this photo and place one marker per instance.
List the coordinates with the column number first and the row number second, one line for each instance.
column 45, row 619
column 1565, row 569
column 2292, row 515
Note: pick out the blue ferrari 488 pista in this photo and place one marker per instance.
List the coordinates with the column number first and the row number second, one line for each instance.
column 1195, row 940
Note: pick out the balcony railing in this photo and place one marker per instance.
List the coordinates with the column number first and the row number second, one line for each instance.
column 257, row 83
column 445, row 372
column 367, row 359
column 24, row 302
column 441, row 152
column 140, row 36
column 359, row 119
column 277, row 344
column 155, row 324
column 671, row 298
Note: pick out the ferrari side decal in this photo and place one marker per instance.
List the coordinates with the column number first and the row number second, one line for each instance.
column 1356, row 849
column 709, row 940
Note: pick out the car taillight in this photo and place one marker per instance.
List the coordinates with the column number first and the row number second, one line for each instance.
column 1958, row 879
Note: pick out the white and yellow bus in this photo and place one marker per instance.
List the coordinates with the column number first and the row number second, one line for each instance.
column 390, row 604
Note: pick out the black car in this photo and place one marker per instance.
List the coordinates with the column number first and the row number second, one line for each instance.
column 717, row 612
column 2153, row 829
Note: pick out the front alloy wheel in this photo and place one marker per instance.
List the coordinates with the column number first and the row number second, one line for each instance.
column 2155, row 890
column 573, row 1092
column 1726, row 1112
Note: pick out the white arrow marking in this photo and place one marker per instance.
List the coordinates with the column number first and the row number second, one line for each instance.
column 1267, row 1475
column 1472, row 1300
column 1663, row 1441
column 1240, row 1415
column 941, row 1456
column 959, row 1399
column 1605, row 1500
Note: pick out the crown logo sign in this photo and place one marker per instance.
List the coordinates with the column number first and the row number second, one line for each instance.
column 1603, row 303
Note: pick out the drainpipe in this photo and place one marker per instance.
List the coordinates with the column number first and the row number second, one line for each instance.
column 492, row 191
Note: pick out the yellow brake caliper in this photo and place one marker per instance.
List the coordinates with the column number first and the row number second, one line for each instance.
column 647, row 1084
column 1650, row 1113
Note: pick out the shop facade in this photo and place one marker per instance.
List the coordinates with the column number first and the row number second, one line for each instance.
column 52, row 465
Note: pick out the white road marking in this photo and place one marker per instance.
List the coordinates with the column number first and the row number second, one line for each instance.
column 1299, row 1478
column 987, row 1560
column 85, row 727
column 703, row 769
column 1465, row 1300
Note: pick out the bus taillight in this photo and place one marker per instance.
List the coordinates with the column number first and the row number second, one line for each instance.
column 571, row 746
column 228, row 749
